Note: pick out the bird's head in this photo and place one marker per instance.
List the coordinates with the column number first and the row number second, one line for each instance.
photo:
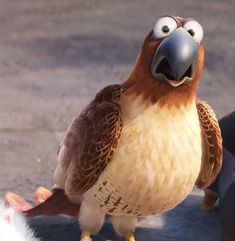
column 170, row 61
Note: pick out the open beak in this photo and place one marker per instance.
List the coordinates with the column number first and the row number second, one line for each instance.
column 176, row 58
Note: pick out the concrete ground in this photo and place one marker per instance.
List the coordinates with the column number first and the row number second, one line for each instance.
column 55, row 55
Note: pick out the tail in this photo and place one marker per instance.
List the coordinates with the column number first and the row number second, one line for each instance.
column 57, row 203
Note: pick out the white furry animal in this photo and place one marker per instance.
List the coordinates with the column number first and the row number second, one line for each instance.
column 13, row 226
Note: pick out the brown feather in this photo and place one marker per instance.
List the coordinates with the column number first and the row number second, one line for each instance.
column 212, row 164
column 57, row 203
column 92, row 139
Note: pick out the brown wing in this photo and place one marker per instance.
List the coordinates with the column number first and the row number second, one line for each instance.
column 212, row 161
column 92, row 139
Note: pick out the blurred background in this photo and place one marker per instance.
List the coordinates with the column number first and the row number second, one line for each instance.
column 55, row 55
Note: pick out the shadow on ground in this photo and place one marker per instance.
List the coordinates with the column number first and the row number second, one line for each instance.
column 185, row 223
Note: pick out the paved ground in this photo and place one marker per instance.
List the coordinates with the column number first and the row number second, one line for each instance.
column 56, row 54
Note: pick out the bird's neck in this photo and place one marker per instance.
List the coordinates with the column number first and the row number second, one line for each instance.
column 134, row 105
column 152, row 91
column 141, row 82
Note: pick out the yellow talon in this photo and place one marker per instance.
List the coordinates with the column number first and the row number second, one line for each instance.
column 130, row 237
column 85, row 233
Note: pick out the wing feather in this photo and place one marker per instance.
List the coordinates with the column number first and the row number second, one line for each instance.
column 212, row 163
column 91, row 140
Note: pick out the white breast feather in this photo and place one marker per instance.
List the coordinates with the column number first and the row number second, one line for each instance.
column 158, row 158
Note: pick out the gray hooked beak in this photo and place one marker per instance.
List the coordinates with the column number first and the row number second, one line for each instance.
column 176, row 58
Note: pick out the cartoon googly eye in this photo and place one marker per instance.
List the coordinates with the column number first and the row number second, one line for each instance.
column 195, row 30
column 163, row 27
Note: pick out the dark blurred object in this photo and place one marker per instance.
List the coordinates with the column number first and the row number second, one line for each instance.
column 224, row 186
column 227, row 125
column 227, row 213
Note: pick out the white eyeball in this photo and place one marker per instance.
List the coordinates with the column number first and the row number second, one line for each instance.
column 195, row 30
column 163, row 27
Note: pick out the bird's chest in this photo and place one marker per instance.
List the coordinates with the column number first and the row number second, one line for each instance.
column 155, row 165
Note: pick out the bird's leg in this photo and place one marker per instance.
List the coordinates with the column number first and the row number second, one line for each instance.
column 130, row 237
column 209, row 200
column 85, row 236
column 125, row 226
column 91, row 219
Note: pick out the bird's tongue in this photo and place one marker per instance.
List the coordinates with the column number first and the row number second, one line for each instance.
column 176, row 83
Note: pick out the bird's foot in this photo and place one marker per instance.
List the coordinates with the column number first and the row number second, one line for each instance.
column 86, row 239
column 20, row 205
column 209, row 200
column 16, row 202
column 130, row 237
column 85, row 236
column 41, row 194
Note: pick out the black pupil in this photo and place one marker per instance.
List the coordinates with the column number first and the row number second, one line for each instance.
column 165, row 29
column 191, row 32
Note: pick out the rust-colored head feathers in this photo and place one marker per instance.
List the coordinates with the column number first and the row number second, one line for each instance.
column 170, row 63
